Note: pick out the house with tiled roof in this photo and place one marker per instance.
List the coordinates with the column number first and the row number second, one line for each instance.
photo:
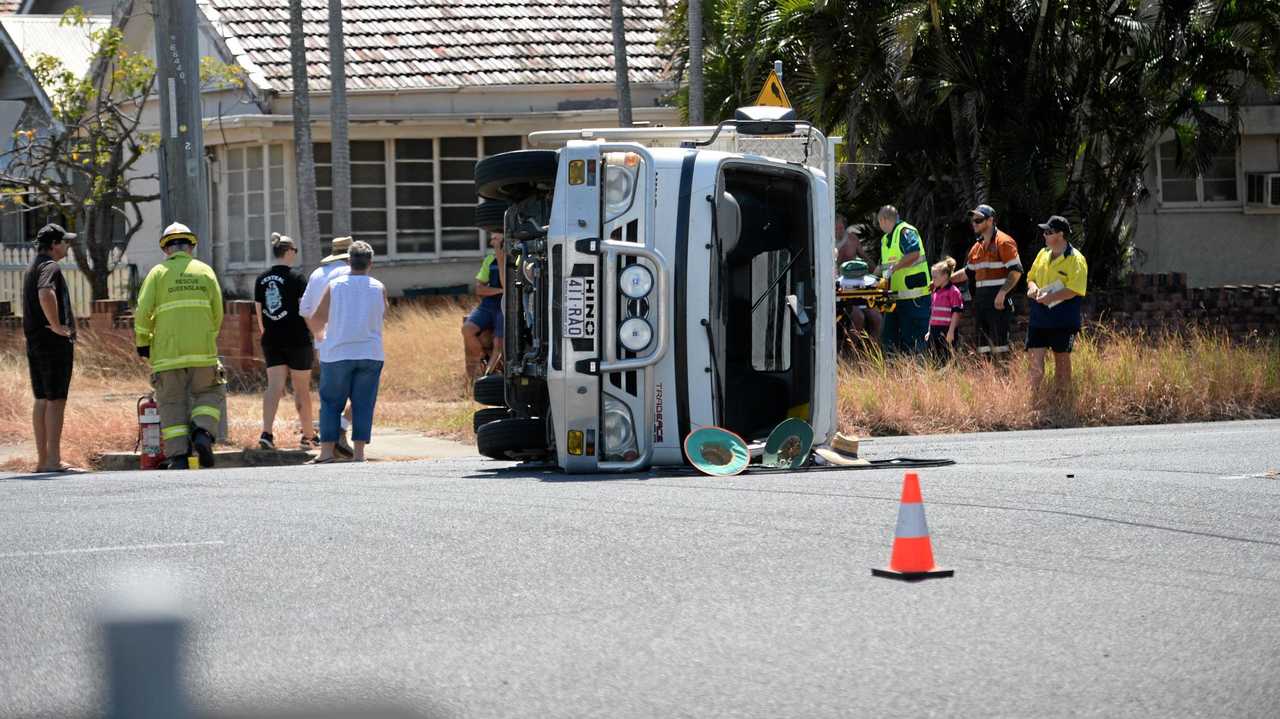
column 432, row 86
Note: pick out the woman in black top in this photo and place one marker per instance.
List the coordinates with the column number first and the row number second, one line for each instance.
column 286, row 341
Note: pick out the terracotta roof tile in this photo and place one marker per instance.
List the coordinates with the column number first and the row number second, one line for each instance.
column 397, row 44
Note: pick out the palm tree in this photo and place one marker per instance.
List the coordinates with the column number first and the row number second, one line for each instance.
column 338, row 111
column 308, row 213
column 620, row 63
column 695, row 62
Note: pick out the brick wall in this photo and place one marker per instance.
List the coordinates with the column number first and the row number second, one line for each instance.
column 1163, row 304
column 112, row 321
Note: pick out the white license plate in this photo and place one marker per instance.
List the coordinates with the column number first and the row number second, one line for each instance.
column 580, row 308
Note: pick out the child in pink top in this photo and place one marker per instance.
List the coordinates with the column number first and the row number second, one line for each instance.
column 947, row 303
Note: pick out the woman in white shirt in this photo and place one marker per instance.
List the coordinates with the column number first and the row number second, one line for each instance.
column 350, row 315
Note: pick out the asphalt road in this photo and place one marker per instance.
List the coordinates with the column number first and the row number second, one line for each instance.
column 1144, row 585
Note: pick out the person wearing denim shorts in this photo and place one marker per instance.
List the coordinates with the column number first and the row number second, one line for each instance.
column 487, row 316
column 350, row 314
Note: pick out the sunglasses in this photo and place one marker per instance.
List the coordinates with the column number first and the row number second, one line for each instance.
column 978, row 221
column 1046, row 233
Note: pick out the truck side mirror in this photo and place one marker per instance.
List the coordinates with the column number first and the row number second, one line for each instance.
column 728, row 223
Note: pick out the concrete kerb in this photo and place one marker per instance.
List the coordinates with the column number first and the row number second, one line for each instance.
column 228, row 458
column 388, row 445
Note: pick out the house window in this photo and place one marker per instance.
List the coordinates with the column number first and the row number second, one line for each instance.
column 256, row 206
column 458, row 157
column 1181, row 184
column 414, row 196
column 368, row 192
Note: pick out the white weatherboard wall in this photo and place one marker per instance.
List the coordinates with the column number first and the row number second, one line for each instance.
column 1217, row 244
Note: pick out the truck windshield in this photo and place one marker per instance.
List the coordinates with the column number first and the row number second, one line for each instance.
column 760, row 289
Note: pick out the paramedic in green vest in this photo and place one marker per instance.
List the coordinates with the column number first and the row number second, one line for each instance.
column 176, row 326
column 903, row 265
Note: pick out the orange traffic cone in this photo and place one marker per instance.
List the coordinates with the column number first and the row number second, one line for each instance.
column 912, row 557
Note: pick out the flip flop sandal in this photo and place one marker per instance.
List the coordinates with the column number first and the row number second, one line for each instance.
column 64, row 469
column 327, row 460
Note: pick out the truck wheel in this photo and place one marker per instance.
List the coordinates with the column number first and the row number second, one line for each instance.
column 487, row 415
column 513, row 176
column 514, row 438
column 491, row 390
column 490, row 214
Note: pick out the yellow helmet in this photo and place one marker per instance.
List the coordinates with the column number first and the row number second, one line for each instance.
column 177, row 231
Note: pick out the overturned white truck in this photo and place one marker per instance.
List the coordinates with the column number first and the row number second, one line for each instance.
column 660, row 280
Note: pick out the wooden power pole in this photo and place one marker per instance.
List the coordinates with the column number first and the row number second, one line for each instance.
column 184, row 180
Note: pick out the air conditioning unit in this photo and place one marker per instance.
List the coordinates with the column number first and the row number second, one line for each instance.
column 1262, row 189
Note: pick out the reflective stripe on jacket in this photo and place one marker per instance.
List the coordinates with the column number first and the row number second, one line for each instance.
column 179, row 314
column 912, row 282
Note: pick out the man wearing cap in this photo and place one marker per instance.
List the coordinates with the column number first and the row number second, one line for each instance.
column 176, row 326
column 903, row 266
column 994, row 267
column 286, row 340
column 1055, row 286
column 333, row 266
column 50, row 328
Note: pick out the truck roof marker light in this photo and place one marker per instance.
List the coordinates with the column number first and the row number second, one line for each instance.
column 628, row 159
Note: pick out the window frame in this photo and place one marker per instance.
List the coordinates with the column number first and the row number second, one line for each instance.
column 389, row 158
column 289, row 211
column 1199, row 202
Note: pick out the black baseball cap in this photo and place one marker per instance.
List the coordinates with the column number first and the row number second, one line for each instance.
column 52, row 234
column 1057, row 223
column 984, row 211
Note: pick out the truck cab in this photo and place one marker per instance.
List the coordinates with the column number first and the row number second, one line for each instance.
column 661, row 280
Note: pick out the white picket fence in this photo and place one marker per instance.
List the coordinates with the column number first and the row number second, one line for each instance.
column 14, row 261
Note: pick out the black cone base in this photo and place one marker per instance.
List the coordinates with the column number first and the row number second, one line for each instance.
column 934, row 573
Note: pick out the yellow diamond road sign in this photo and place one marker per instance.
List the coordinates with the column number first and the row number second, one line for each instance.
column 772, row 94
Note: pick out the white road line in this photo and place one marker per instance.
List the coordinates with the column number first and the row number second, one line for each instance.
column 98, row 550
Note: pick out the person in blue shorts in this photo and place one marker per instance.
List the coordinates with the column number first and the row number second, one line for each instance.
column 487, row 316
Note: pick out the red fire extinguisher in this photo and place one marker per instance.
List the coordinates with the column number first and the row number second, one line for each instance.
column 150, row 449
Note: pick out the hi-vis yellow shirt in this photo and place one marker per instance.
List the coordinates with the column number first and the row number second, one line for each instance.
column 179, row 314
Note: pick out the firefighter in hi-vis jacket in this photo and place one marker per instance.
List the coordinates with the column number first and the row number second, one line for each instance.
column 176, row 326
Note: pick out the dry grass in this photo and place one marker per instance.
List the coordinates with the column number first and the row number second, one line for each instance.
column 422, row 389
column 1119, row 379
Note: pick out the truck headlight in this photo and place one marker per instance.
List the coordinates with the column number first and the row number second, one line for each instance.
column 636, row 281
column 635, row 334
column 619, row 431
column 619, row 186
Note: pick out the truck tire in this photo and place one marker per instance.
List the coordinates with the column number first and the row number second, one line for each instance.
column 514, row 438
column 490, row 214
column 487, row 415
column 513, row 176
column 491, row 390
